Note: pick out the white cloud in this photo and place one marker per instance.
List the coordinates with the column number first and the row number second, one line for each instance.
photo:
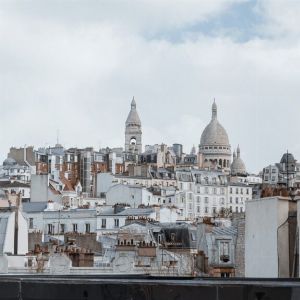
column 76, row 70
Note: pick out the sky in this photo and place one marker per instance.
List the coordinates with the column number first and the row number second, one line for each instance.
column 71, row 68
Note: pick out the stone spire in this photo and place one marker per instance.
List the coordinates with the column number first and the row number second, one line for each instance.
column 234, row 155
column 238, row 151
column 133, row 103
column 214, row 110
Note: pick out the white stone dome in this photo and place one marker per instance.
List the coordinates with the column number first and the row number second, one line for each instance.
column 214, row 133
column 133, row 117
column 238, row 166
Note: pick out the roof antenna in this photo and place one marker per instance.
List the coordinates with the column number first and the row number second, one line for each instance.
column 57, row 137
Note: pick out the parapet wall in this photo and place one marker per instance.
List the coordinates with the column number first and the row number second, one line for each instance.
column 113, row 288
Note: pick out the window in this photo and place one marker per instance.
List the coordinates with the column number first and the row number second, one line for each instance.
column 206, row 209
column 241, row 209
column 198, row 189
column 206, row 190
column 198, row 199
column 230, row 190
column 30, row 223
column 103, row 223
column 50, row 229
column 230, row 208
column 214, row 210
column 247, row 191
column 190, row 206
column 159, row 238
column 224, row 252
column 222, row 191
column 237, row 200
column 116, row 223
column 236, row 209
column 224, row 248
column 198, row 209
column 74, row 227
column 215, row 191
column 230, row 200
column 62, row 228
column 172, row 237
column 87, row 228
column 236, row 190
column 267, row 171
column 190, row 196
column 206, row 200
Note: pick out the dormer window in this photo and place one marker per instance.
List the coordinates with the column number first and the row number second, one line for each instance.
column 224, row 252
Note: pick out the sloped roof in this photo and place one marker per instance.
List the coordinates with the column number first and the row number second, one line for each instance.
column 31, row 207
column 224, row 230
column 3, row 225
column 136, row 212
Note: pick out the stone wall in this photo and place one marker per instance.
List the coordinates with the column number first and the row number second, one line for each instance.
column 238, row 220
column 34, row 238
column 86, row 241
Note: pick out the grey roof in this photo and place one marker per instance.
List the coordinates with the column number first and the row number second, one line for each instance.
column 31, row 207
column 2, row 194
column 224, row 230
column 3, row 225
column 15, row 184
column 106, row 211
column 72, row 213
column 136, row 212
column 287, row 158
column 9, row 162
column 214, row 133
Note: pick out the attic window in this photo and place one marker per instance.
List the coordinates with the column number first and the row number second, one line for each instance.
column 193, row 237
column 173, row 237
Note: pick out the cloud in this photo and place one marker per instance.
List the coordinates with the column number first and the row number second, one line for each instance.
column 75, row 67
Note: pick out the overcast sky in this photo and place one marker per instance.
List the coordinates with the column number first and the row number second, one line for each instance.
column 74, row 66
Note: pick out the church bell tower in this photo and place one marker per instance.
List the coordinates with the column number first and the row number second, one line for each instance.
column 133, row 131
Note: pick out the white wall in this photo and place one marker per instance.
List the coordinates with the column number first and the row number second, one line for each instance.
column 22, row 235
column 263, row 217
column 8, row 246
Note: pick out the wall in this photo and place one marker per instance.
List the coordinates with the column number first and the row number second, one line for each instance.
column 263, row 217
column 39, row 188
column 141, row 287
column 103, row 182
column 124, row 194
column 22, row 235
column 239, row 223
